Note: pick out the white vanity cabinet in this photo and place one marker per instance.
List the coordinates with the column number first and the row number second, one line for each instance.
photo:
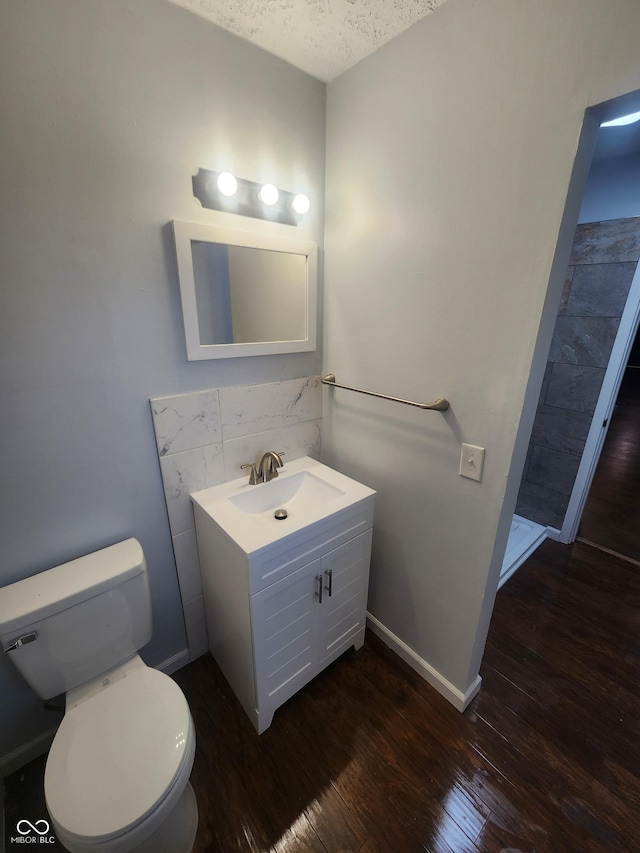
column 305, row 620
column 276, row 617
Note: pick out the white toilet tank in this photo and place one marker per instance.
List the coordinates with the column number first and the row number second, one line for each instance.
column 69, row 624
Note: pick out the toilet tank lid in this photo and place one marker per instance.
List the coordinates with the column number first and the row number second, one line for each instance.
column 40, row 596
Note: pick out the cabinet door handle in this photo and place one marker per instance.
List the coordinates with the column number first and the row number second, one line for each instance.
column 329, row 574
column 318, row 592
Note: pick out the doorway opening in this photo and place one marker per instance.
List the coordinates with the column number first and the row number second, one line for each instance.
column 594, row 330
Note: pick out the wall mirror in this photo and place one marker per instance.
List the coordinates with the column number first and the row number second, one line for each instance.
column 245, row 293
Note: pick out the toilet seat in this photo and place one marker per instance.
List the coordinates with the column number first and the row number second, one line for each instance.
column 120, row 759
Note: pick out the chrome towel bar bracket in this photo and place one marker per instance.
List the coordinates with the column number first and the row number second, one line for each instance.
column 439, row 405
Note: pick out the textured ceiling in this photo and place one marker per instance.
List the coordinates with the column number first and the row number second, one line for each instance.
column 322, row 37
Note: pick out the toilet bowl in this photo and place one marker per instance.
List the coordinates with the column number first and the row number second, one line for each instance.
column 133, row 741
column 117, row 773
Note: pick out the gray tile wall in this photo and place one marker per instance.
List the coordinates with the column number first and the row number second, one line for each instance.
column 603, row 261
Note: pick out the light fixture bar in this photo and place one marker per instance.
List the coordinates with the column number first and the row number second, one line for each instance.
column 247, row 199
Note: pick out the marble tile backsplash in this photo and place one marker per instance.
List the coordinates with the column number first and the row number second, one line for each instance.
column 203, row 438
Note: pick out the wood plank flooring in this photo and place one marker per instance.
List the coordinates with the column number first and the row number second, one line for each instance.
column 368, row 758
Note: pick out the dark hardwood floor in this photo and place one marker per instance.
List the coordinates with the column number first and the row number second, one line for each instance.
column 370, row 758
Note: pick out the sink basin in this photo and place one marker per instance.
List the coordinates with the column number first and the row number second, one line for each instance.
column 296, row 493
column 306, row 489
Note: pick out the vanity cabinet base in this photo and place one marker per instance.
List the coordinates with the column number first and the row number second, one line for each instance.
column 271, row 641
column 306, row 620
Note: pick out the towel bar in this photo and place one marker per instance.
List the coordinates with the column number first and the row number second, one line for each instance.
column 439, row 405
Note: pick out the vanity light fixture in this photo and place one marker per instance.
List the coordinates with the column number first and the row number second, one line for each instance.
column 223, row 191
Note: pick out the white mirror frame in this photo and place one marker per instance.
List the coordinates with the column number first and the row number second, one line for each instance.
column 184, row 233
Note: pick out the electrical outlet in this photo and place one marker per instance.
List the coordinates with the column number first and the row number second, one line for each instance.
column 471, row 462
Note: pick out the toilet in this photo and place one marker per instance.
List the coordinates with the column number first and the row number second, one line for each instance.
column 117, row 773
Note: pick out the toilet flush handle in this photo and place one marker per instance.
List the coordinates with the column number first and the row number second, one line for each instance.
column 21, row 641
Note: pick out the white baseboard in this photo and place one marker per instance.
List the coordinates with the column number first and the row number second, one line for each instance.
column 458, row 699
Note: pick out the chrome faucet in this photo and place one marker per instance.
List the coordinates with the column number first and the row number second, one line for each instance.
column 270, row 462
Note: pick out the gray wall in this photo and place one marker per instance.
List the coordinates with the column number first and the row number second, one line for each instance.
column 108, row 109
column 449, row 157
column 603, row 263
column 613, row 190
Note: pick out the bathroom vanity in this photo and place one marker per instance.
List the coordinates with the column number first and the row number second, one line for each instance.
column 284, row 597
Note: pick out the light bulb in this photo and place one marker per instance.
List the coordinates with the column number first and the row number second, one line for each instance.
column 227, row 184
column 269, row 194
column 301, row 203
column 632, row 118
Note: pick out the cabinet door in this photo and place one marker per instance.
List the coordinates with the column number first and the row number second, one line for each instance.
column 344, row 607
column 285, row 626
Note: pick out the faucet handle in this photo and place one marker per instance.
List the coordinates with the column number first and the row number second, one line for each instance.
column 253, row 476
